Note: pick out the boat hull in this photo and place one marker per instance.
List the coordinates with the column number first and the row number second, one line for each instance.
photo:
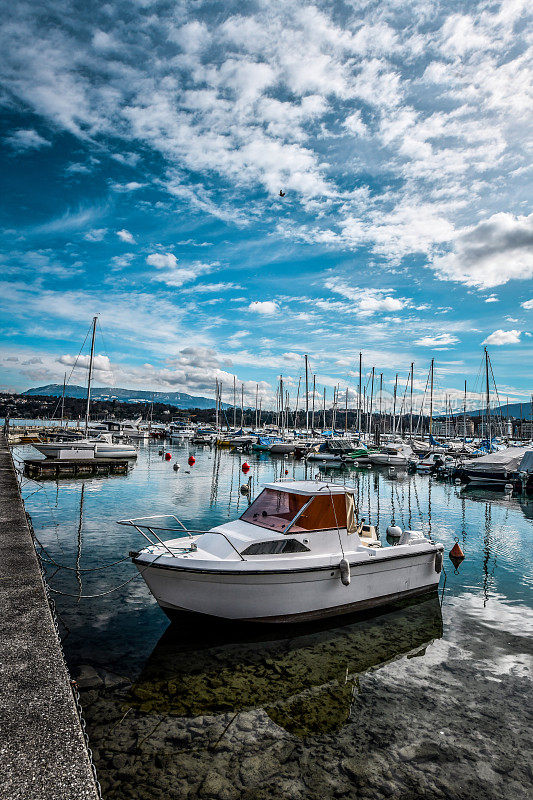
column 282, row 448
column 93, row 449
column 382, row 459
column 291, row 595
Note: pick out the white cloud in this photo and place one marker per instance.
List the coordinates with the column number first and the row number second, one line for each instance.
column 440, row 340
column 490, row 253
column 26, row 140
column 266, row 308
column 491, row 299
column 366, row 302
column 162, row 260
column 131, row 186
column 173, row 275
column 503, row 337
column 95, row 235
column 126, row 236
column 528, row 305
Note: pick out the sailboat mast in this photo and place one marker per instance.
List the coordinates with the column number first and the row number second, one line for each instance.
column 313, row 405
column 234, row 403
column 464, row 416
column 359, row 404
column 346, row 412
column 431, row 399
column 411, row 406
column 380, row 400
column 371, row 404
column 63, row 398
column 95, row 319
column 394, row 405
column 306, row 395
column 242, row 404
column 256, row 394
column 324, row 420
column 487, row 397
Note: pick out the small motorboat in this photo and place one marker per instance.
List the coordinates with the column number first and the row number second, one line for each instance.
column 291, row 556
column 429, row 462
column 101, row 446
column 396, row 455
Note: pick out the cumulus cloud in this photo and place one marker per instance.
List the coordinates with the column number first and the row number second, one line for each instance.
column 266, row 308
column 366, row 302
column 100, row 363
column 503, row 337
column 95, row 235
column 173, row 275
column 126, row 236
column 26, row 140
column 490, row 253
column 528, row 305
column 437, row 341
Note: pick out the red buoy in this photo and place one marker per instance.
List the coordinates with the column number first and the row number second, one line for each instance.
column 456, row 551
column 167, row 456
column 286, row 472
column 191, row 460
column 245, row 467
column 456, row 556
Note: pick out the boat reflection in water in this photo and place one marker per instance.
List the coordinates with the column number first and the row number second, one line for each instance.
column 305, row 678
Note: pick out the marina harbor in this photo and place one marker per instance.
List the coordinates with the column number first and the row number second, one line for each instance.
column 315, row 604
column 266, row 400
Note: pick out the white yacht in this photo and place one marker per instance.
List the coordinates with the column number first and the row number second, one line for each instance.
column 180, row 432
column 297, row 553
column 101, row 446
column 393, row 455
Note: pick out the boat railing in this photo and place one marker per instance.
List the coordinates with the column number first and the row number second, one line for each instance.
column 145, row 523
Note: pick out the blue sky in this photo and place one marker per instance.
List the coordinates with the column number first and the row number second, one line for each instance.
column 143, row 147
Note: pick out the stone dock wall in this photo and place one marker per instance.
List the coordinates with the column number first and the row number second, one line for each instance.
column 43, row 755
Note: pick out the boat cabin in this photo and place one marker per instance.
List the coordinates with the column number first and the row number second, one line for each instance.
column 303, row 507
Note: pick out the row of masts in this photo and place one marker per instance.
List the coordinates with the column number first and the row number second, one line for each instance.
column 402, row 419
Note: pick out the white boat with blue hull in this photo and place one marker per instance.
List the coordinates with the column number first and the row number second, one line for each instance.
column 297, row 553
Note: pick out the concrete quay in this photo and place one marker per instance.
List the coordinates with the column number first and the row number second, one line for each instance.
column 43, row 755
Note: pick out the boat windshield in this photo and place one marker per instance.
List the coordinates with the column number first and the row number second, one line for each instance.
column 275, row 510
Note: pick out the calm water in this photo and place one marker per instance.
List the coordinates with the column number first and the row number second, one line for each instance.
column 420, row 701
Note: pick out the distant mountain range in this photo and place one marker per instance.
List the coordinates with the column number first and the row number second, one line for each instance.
column 177, row 399
column 514, row 411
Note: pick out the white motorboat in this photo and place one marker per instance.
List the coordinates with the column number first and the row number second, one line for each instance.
column 98, row 447
column 396, row 455
column 179, row 432
column 285, row 447
column 297, row 553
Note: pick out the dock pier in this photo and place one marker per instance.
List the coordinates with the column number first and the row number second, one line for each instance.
column 52, row 468
column 43, row 753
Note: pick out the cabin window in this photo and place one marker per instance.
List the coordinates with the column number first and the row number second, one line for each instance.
column 326, row 511
column 274, row 509
column 273, row 548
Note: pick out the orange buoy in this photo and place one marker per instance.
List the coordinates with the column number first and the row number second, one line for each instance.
column 286, row 472
column 191, row 460
column 456, row 555
column 245, row 467
column 167, row 456
column 456, row 551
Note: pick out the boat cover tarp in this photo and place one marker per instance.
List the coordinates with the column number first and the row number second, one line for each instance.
column 507, row 460
column 340, row 446
column 526, row 465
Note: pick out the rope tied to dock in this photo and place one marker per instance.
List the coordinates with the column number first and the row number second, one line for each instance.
column 51, row 560
column 109, row 591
